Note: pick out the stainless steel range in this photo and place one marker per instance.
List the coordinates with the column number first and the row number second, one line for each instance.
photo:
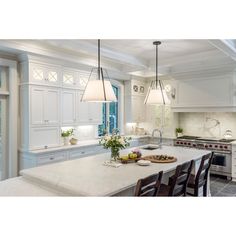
column 222, row 149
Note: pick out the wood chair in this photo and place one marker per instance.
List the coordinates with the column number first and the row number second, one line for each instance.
column 149, row 186
column 177, row 184
column 201, row 178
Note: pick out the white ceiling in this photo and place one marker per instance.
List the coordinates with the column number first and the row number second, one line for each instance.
column 137, row 56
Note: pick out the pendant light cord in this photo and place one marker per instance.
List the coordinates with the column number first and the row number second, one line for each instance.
column 100, row 71
column 157, row 80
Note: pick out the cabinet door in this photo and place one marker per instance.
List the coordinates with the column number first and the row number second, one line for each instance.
column 69, row 78
column 37, row 106
column 82, row 110
column 138, row 109
column 51, row 106
column 52, row 75
column 44, row 137
column 68, row 107
column 95, row 113
column 37, row 73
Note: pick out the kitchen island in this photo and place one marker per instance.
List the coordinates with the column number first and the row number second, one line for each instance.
column 89, row 177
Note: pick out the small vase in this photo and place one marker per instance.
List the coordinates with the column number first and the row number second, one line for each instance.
column 179, row 135
column 114, row 155
column 66, row 141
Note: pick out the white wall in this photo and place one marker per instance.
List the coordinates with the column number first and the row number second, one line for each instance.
column 196, row 124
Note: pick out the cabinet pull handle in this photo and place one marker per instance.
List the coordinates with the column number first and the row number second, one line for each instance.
column 45, row 146
column 51, row 158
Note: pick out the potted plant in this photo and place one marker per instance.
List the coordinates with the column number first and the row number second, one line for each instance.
column 65, row 134
column 179, row 132
column 115, row 142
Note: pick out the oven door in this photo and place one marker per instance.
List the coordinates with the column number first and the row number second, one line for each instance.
column 221, row 163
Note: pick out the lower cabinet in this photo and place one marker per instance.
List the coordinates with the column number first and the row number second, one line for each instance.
column 31, row 159
column 234, row 162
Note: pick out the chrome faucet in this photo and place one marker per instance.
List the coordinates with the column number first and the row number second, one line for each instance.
column 160, row 132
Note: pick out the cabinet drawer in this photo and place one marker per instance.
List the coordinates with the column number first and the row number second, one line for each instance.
column 51, row 158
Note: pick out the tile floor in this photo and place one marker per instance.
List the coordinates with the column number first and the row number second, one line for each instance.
column 221, row 187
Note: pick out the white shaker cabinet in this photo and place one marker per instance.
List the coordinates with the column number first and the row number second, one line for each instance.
column 68, row 107
column 44, row 106
column 43, row 138
column 88, row 112
column 44, row 74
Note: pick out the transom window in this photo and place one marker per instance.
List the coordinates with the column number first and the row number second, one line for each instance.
column 110, row 115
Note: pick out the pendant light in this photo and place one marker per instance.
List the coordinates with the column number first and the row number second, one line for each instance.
column 156, row 94
column 100, row 89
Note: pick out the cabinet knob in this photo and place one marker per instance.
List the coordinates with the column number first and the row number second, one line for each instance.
column 51, row 158
column 45, row 146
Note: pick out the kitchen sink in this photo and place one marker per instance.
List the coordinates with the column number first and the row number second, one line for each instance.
column 150, row 147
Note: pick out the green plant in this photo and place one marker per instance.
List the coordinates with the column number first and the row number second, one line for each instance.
column 67, row 133
column 179, row 130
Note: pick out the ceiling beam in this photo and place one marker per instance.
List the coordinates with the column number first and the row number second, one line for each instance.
column 226, row 46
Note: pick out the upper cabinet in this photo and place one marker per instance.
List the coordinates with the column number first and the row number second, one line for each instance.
column 135, row 110
column 44, row 109
column 87, row 112
column 70, row 78
column 44, row 74
column 204, row 94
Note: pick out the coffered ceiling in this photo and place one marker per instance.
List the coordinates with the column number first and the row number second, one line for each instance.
column 127, row 57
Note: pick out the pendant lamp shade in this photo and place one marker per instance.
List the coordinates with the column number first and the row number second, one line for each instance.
column 99, row 89
column 95, row 91
column 156, row 94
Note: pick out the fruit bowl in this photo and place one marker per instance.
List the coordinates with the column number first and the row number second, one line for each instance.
column 130, row 158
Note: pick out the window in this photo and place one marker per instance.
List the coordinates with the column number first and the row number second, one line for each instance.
column 110, row 117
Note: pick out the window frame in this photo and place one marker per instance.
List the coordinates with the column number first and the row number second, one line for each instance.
column 120, row 101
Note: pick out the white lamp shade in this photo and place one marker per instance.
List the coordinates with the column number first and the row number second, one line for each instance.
column 94, row 92
column 154, row 97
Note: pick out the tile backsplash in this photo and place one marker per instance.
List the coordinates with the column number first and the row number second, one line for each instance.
column 208, row 124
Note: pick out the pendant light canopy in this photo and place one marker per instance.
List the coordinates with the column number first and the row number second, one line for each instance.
column 100, row 89
column 156, row 94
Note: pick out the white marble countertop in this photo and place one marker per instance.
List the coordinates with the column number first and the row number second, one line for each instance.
column 20, row 186
column 89, row 177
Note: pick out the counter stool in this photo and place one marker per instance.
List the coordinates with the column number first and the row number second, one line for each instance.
column 178, row 182
column 201, row 178
column 149, row 186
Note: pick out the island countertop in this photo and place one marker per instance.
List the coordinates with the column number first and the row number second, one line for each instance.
column 89, row 177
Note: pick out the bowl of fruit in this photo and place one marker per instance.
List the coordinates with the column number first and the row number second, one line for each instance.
column 129, row 158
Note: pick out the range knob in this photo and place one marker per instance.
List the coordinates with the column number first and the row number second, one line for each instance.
column 206, row 146
column 189, row 144
column 221, row 146
column 185, row 143
column 210, row 145
column 216, row 146
column 194, row 145
column 225, row 147
column 181, row 142
column 177, row 142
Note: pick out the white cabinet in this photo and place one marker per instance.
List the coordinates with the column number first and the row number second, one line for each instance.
column 88, row 113
column 50, row 158
column 135, row 109
column 42, row 138
column 44, row 74
column 69, row 78
column 68, row 107
column 44, row 107
column 204, row 93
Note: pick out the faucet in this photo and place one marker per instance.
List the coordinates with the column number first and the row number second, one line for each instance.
column 160, row 132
